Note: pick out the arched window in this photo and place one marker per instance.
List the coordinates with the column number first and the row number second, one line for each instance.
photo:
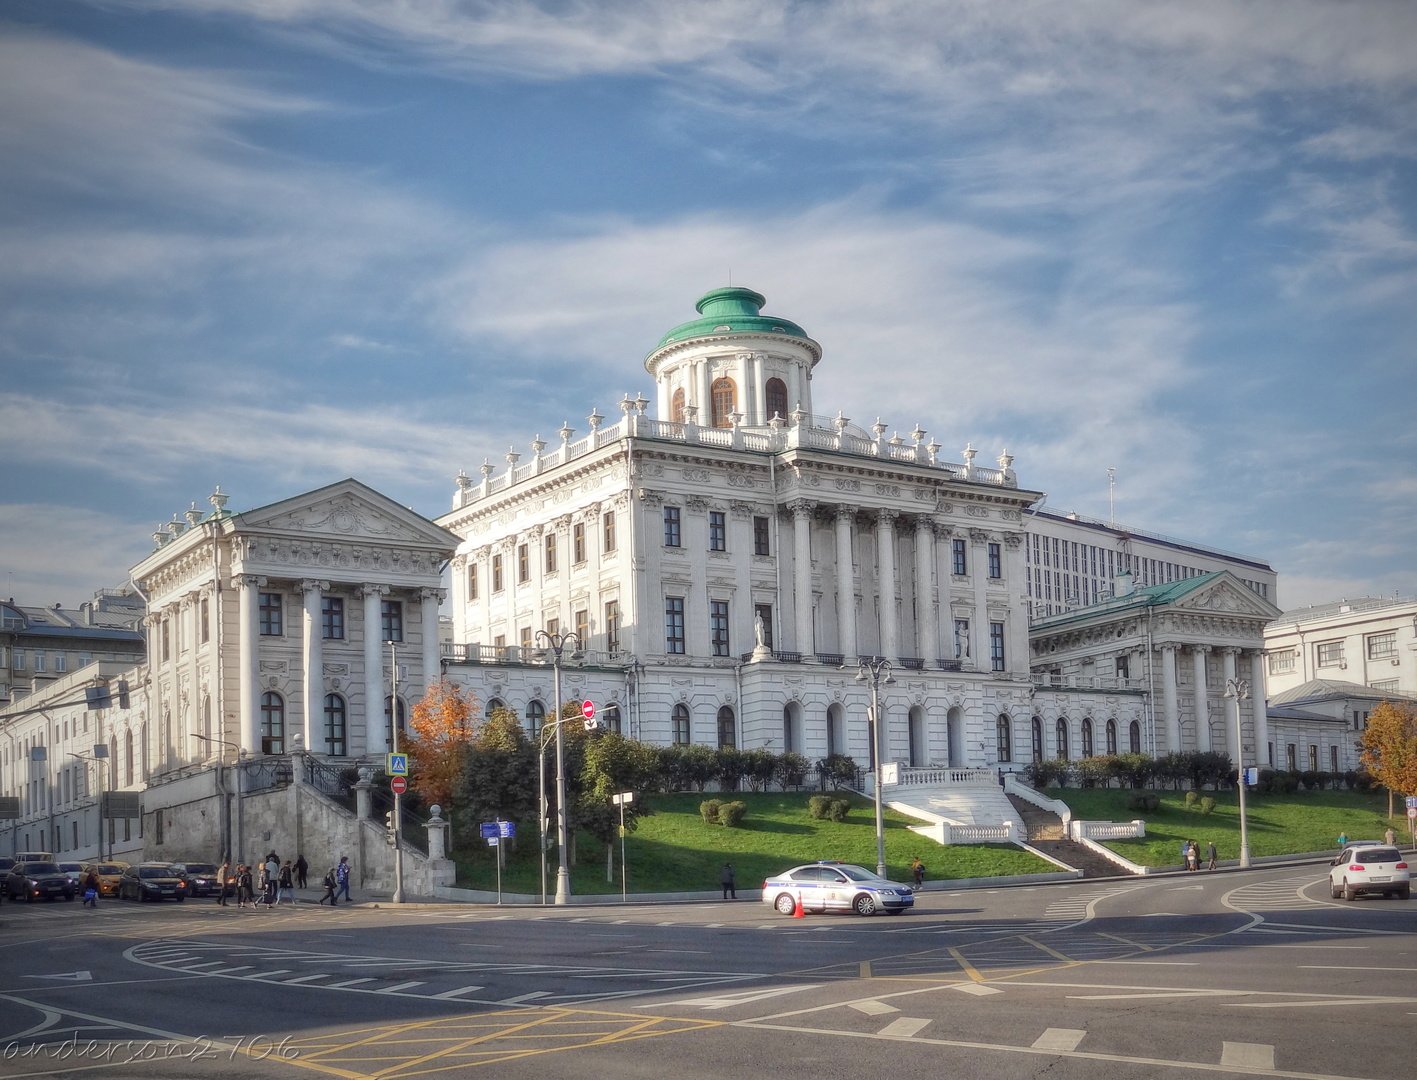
column 725, row 401
column 726, row 727
column 1134, row 737
column 334, row 725
column 207, row 718
column 388, row 717
column 789, row 744
column 272, row 723
column 1003, row 740
column 493, row 704
column 611, row 718
column 143, row 750
column 836, row 739
column 1060, row 732
column 775, row 398
column 113, row 763
column 676, row 407
column 1037, row 738
column 681, row 725
column 128, row 757
column 535, row 717
column 1111, row 736
column 1087, row 736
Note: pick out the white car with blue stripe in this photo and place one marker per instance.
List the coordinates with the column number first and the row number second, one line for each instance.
column 835, row 886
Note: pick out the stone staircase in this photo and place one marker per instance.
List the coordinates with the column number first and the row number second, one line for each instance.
column 1046, row 833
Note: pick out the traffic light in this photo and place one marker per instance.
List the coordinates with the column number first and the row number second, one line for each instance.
column 389, row 827
column 122, row 693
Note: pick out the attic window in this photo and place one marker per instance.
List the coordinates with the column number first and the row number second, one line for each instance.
column 722, row 329
column 778, row 330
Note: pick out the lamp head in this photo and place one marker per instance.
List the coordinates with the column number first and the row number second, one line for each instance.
column 860, row 676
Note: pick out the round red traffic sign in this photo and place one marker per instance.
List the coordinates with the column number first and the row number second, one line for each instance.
column 588, row 709
column 399, row 784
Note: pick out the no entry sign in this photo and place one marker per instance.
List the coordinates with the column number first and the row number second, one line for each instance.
column 399, row 784
column 588, row 709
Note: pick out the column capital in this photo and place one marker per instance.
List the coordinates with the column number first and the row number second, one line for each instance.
column 255, row 580
column 433, row 594
column 1013, row 540
column 845, row 512
column 1200, row 650
column 309, row 585
column 802, row 508
column 978, row 536
column 369, row 589
column 886, row 516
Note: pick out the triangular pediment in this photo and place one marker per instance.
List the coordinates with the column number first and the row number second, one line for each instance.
column 348, row 511
column 1224, row 594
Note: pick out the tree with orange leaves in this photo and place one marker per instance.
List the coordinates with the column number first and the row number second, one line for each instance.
column 1389, row 744
column 440, row 730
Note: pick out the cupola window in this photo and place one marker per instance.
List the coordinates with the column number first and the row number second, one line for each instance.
column 725, row 396
column 676, row 407
column 775, row 398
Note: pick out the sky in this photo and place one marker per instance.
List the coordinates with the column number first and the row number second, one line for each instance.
column 268, row 244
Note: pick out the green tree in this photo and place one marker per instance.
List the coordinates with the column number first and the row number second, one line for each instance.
column 612, row 764
column 499, row 775
column 1389, row 749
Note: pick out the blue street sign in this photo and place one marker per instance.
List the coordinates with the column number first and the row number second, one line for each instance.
column 1412, row 800
column 489, row 829
column 398, row 765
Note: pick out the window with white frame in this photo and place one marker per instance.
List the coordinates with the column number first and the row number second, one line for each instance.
column 1382, row 646
column 1282, row 662
column 1329, row 653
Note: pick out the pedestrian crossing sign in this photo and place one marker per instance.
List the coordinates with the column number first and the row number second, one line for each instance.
column 398, row 765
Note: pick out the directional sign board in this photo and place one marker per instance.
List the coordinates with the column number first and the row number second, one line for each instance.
column 398, row 784
column 490, row 829
column 1412, row 802
column 398, row 765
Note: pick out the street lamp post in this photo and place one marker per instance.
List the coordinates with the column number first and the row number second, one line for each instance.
column 1238, row 690
column 394, row 748
column 240, row 832
column 556, row 644
column 876, row 670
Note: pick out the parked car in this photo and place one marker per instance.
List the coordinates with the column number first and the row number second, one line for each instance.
column 75, row 873
column 152, row 881
column 34, row 856
column 38, row 881
column 834, row 886
column 109, row 874
column 1369, row 867
column 203, row 878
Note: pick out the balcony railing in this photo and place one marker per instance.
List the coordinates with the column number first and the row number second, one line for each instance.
column 504, row 655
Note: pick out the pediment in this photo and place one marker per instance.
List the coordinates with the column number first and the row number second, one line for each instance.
column 1226, row 596
column 348, row 511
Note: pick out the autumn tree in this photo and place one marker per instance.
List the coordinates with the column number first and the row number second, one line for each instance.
column 439, row 732
column 1389, row 749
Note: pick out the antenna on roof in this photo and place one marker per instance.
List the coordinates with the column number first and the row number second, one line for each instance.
column 1111, row 495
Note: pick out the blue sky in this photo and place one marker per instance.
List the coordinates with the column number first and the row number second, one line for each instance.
column 268, row 244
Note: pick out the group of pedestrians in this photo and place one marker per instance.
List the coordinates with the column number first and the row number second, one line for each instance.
column 276, row 881
column 1191, row 855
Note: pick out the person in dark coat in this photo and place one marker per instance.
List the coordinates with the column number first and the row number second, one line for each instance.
column 329, row 884
column 729, row 881
column 301, row 869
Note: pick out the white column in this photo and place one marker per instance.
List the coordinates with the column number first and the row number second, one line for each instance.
column 1260, row 718
column 313, row 654
column 1227, row 660
column 1202, row 697
column 885, row 562
column 249, row 683
column 978, row 568
column 188, row 748
column 926, row 624
column 1171, row 711
column 376, row 742
column 802, row 576
column 428, row 600
column 1016, row 589
column 846, row 585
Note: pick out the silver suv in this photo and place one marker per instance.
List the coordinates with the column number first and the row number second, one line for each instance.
column 1369, row 867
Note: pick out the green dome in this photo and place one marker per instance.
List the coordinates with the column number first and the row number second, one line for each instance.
column 731, row 310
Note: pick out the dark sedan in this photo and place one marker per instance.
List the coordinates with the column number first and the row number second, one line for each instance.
column 203, row 878
column 152, row 881
column 39, row 881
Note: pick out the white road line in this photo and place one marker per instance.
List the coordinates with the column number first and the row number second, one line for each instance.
column 1064, row 1039
column 306, row 978
column 1247, row 1055
column 1349, row 967
column 904, row 1027
column 977, row 989
column 872, row 1007
column 1152, row 963
column 397, row 987
column 347, row 982
column 524, row 997
column 458, row 992
column 228, row 971
column 268, row 974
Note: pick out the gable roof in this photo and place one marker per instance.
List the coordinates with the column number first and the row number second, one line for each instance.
column 1332, row 690
column 346, row 510
column 1218, row 590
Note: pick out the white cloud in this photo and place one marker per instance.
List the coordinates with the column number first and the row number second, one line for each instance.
column 61, row 554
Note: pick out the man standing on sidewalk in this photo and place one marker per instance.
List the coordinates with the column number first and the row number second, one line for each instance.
column 342, row 879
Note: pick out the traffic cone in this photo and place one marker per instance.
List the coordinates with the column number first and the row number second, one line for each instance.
column 797, row 912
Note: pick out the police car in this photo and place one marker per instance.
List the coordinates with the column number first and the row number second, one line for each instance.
column 835, row 886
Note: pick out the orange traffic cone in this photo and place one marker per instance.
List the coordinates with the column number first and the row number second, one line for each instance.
column 797, row 912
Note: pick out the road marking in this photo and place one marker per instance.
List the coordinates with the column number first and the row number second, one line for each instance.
column 1348, row 967
column 746, row 997
column 1127, row 941
column 305, row 978
column 977, row 989
column 524, row 997
column 1247, row 1055
column 1141, row 995
column 1054, row 953
column 872, row 1007
column 1065, row 1039
column 968, row 968
column 398, row 986
column 864, row 971
column 347, row 982
column 905, row 1027
column 458, row 992
column 77, row 976
column 1152, row 963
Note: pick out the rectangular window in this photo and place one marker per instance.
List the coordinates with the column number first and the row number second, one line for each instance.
column 718, row 626
column 1313, row 758
column 578, row 543
column 204, row 619
column 1330, row 653
column 1281, row 662
column 553, row 627
column 582, row 626
column 39, row 663
column 761, row 537
column 61, row 662
column 671, row 526
column 996, row 645
column 718, row 531
column 523, row 564
column 612, row 626
column 498, row 642
column 19, row 659
column 471, row 581
column 1382, row 646
column 271, row 615
column 959, row 565
column 391, row 620
column 1333, row 759
column 1124, row 667
column 496, row 573
column 607, row 530
column 166, row 646
column 524, row 634
column 332, row 617
column 996, row 562
column 961, row 639
column 674, row 624
column 762, row 614
column 1387, row 686
column 550, row 544
column 1291, row 762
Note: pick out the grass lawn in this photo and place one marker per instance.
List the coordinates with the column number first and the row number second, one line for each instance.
column 1278, row 824
column 673, row 850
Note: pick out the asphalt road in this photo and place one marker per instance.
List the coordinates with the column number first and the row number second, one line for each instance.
column 1246, row 973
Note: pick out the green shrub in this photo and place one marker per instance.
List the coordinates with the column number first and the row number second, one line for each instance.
column 1207, row 804
column 1192, row 797
column 837, row 809
column 711, row 810
column 817, row 806
column 730, row 814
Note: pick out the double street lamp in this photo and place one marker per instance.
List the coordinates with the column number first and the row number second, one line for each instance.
column 876, row 670
column 1238, row 690
column 555, row 643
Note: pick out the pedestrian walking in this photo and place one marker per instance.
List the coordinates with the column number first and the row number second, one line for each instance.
column 1390, row 837
column 1210, row 855
column 330, row 885
column 729, row 880
column 285, row 883
column 91, row 888
column 342, row 879
column 1342, row 840
column 301, row 869
column 917, row 870
column 272, row 878
column 223, row 882
column 1185, row 854
column 244, row 887
column 1193, row 855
